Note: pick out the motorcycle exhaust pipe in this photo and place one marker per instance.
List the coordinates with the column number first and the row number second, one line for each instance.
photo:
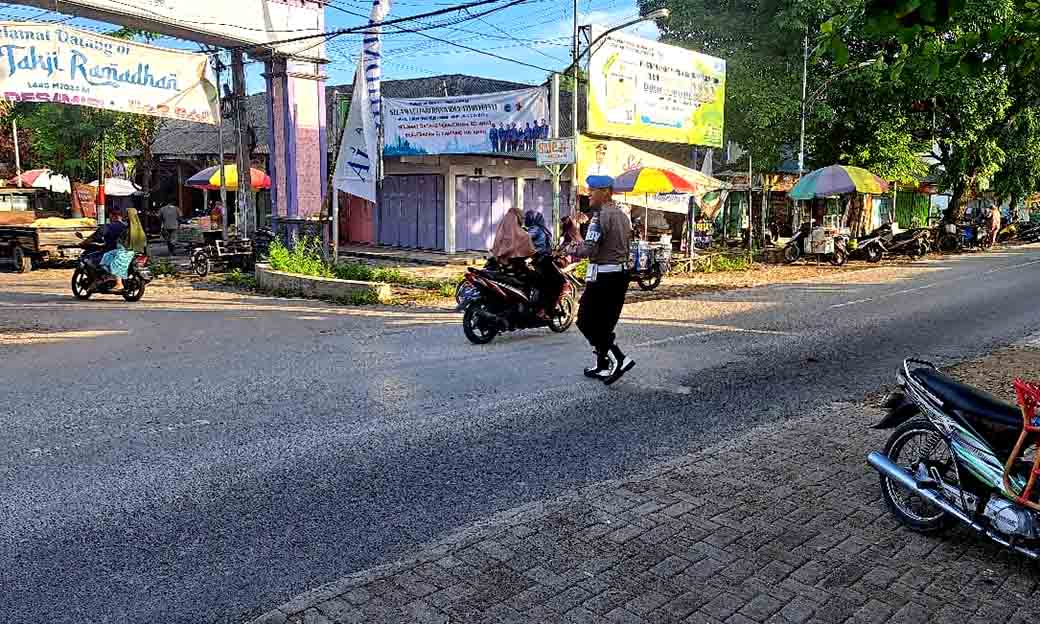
column 903, row 478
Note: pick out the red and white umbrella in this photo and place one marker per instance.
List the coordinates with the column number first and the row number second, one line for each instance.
column 43, row 179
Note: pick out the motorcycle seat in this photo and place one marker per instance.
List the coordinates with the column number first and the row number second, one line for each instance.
column 498, row 277
column 968, row 400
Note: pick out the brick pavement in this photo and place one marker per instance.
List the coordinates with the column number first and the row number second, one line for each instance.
column 797, row 534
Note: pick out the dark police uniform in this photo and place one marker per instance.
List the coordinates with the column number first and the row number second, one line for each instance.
column 607, row 248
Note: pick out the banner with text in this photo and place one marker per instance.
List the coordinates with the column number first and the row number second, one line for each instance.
column 62, row 65
column 642, row 89
column 507, row 122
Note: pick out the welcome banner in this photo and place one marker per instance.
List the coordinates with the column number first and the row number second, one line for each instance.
column 493, row 123
column 62, row 65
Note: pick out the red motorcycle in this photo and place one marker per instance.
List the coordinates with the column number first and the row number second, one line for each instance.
column 497, row 300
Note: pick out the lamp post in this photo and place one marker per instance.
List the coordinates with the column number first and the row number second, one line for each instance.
column 577, row 53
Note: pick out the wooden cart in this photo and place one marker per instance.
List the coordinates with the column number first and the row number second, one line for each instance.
column 27, row 247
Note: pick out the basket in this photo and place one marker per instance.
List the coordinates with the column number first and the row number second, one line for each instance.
column 1028, row 395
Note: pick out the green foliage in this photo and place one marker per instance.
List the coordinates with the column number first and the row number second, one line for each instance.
column 721, row 263
column 237, row 279
column 303, row 258
column 163, row 267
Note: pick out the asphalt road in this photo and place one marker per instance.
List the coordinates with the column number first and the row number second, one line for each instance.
column 203, row 457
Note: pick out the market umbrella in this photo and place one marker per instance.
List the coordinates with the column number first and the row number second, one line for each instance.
column 43, row 179
column 209, row 179
column 838, row 180
column 651, row 181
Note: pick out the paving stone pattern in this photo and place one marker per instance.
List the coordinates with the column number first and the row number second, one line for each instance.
column 784, row 524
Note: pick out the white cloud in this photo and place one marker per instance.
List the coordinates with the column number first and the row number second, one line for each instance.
column 610, row 18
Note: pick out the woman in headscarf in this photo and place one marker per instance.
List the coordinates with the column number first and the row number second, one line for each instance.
column 540, row 236
column 511, row 239
column 131, row 244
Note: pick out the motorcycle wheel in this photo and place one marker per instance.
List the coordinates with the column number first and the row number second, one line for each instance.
column 473, row 326
column 200, row 263
column 791, row 254
column 914, row 444
column 650, row 282
column 133, row 289
column 562, row 320
column 839, row 257
column 81, row 285
column 874, row 254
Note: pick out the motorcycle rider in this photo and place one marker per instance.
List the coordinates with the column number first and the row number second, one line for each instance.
column 108, row 236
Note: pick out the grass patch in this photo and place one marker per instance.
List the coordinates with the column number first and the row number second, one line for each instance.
column 163, row 268
column 238, row 279
column 721, row 263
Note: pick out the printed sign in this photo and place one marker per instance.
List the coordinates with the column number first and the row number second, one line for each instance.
column 641, row 89
column 84, row 200
column 62, row 65
column 508, row 122
column 555, row 152
column 612, row 158
column 224, row 23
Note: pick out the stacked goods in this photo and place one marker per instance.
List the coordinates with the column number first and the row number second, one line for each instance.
column 58, row 222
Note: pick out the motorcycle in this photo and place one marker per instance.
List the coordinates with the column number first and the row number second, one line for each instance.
column 962, row 236
column 872, row 246
column 793, row 251
column 957, row 453
column 91, row 278
column 913, row 243
column 650, row 263
column 496, row 301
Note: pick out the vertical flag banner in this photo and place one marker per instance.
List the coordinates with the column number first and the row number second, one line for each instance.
column 358, row 159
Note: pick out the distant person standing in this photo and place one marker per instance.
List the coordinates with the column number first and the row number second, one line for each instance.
column 170, row 217
column 994, row 224
column 606, row 282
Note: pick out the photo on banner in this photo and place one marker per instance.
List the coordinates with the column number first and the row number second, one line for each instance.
column 52, row 63
column 504, row 123
column 642, row 89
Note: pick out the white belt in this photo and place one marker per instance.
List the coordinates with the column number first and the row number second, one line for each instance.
column 609, row 268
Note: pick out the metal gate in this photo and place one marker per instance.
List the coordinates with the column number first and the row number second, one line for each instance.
column 411, row 213
column 480, row 203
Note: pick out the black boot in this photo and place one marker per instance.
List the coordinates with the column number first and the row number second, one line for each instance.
column 602, row 369
column 622, row 365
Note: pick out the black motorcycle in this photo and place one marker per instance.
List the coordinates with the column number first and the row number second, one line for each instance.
column 872, row 246
column 914, row 244
column 959, row 454
column 91, row 278
column 496, row 300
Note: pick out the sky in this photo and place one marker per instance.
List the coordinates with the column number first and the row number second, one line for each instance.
column 537, row 33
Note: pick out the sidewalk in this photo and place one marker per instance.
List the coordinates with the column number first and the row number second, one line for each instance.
column 783, row 524
column 411, row 256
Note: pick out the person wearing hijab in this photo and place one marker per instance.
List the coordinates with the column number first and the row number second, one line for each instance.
column 511, row 239
column 539, row 233
column 132, row 243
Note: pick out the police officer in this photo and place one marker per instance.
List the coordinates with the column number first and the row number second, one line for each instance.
column 606, row 282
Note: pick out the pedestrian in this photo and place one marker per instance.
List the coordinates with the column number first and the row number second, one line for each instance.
column 994, row 224
column 170, row 217
column 606, row 280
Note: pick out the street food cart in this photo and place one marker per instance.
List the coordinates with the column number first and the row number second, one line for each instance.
column 36, row 242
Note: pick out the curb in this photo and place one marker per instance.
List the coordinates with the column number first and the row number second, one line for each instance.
column 273, row 282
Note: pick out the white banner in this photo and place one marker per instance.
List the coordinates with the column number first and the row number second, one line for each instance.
column 555, row 152
column 225, row 23
column 494, row 123
column 62, row 65
column 356, row 163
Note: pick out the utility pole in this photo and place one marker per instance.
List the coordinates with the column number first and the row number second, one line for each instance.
column 100, row 211
column 576, row 184
column 555, row 170
column 339, row 125
column 245, row 209
column 221, row 152
column 17, row 152
column 801, row 149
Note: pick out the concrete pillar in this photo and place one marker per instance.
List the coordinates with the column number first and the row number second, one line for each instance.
column 298, row 141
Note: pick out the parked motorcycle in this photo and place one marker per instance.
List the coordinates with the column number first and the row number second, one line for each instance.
column 958, row 453
column 962, row 236
column 497, row 301
column 913, row 244
column 91, row 278
column 649, row 263
column 872, row 246
column 796, row 248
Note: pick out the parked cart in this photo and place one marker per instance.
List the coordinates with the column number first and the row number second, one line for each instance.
column 650, row 262
column 34, row 245
column 234, row 253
